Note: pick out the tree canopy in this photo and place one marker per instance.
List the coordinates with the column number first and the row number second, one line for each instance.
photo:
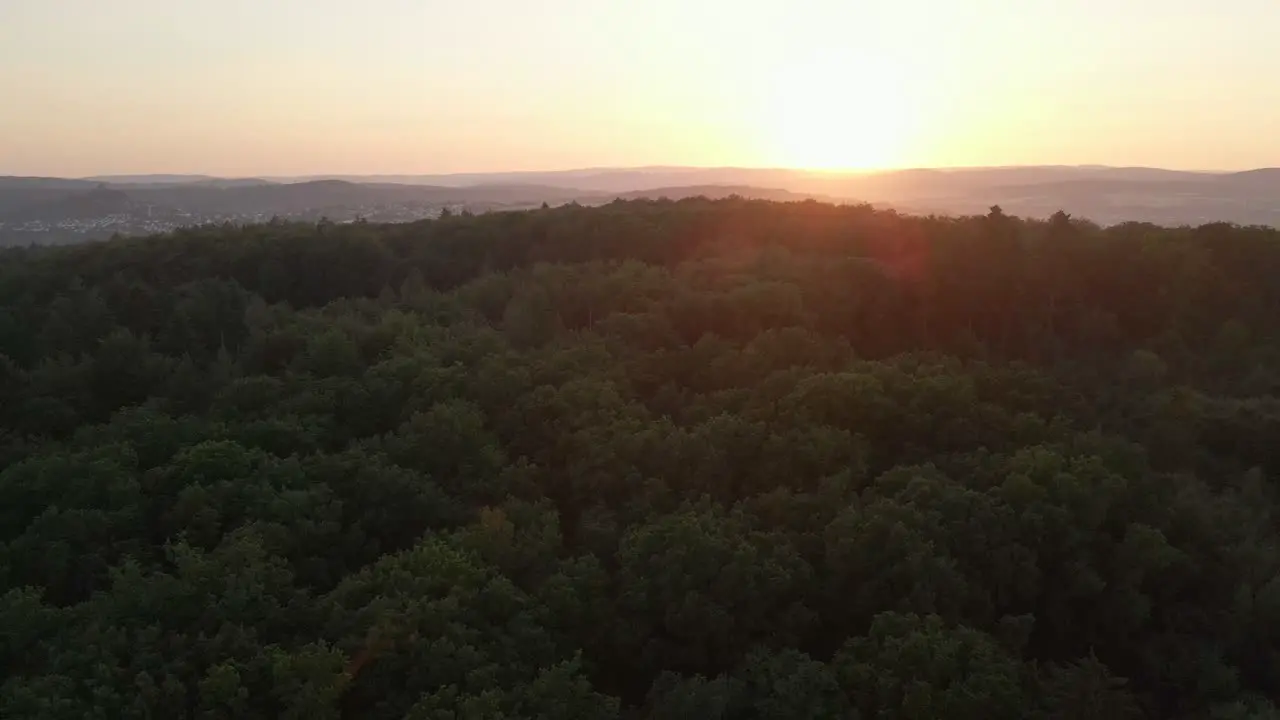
column 700, row 459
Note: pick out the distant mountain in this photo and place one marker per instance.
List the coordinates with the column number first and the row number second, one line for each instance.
column 206, row 198
column 1264, row 180
column 23, row 198
column 716, row 192
column 153, row 203
column 21, row 192
column 9, row 182
column 77, row 205
column 230, row 182
column 318, row 195
column 940, row 189
column 145, row 182
column 149, row 179
column 605, row 180
column 42, row 210
column 1164, row 197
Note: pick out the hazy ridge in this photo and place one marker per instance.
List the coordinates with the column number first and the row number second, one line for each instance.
column 73, row 209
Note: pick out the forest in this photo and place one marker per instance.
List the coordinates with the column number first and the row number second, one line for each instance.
column 725, row 459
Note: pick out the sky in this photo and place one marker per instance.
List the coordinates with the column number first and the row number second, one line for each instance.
column 296, row 87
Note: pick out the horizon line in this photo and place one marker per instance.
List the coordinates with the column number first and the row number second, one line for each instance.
column 637, row 168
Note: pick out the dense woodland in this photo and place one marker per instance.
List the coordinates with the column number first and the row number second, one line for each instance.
column 700, row 459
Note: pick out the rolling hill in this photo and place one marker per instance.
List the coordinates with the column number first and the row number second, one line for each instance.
column 38, row 209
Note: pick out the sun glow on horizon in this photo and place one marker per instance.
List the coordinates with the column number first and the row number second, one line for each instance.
column 839, row 111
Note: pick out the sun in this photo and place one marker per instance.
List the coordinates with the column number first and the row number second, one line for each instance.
column 837, row 111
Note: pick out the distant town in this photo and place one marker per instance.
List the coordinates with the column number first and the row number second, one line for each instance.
column 135, row 223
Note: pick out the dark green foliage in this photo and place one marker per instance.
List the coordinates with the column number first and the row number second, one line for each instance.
column 733, row 460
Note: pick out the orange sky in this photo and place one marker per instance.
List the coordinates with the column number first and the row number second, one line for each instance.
column 275, row 87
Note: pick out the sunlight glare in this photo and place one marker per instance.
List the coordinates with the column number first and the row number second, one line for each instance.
column 838, row 111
